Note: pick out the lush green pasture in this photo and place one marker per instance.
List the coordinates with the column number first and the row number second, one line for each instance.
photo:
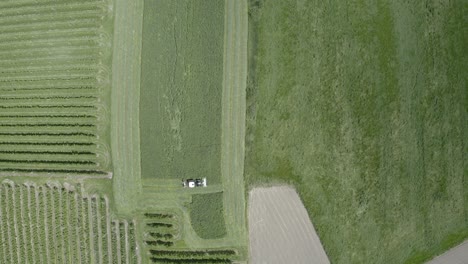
column 363, row 106
column 181, row 86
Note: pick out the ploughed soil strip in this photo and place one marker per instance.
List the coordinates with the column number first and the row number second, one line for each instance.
column 280, row 230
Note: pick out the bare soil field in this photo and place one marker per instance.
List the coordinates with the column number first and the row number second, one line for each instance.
column 457, row 255
column 280, row 230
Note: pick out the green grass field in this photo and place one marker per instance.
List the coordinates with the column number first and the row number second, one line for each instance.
column 181, row 87
column 363, row 106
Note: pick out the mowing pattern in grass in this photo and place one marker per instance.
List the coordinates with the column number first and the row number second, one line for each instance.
column 207, row 215
column 54, row 84
column 56, row 223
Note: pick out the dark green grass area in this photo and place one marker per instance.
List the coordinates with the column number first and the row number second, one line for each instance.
column 181, row 87
column 363, row 107
column 207, row 215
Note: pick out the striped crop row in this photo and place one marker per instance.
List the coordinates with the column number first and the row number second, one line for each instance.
column 55, row 86
column 56, row 223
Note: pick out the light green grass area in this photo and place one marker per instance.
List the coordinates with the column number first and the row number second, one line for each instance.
column 363, row 107
column 207, row 215
column 181, row 86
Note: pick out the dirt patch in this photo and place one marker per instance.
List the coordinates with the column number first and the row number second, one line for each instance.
column 280, row 230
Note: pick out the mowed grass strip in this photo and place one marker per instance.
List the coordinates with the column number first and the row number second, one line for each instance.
column 181, row 87
column 362, row 106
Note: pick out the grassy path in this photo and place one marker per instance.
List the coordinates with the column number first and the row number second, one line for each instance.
column 125, row 99
column 233, row 119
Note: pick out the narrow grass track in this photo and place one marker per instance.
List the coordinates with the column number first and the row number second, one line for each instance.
column 125, row 135
column 233, row 120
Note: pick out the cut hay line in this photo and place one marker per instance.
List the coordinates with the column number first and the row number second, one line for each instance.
column 41, row 88
column 46, row 106
column 50, row 77
column 58, row 59
column 81, row 162
column 53, row 225
column 50, row 144
column 118, row 252
column 47, row 98
column 42, row 18
column 2, row 227
column 31, row 224
column 5, row 217
column 14, row 13
column 126, row 252
column 48, row 116
column 54, row 31
column 96, row 247
column 22, row 4
column 70, row 171
column 33, row 49
column 37, row 210
column 48, row 125
column 15, row 223
column 49, row 68
column 48, row 152
column 76, row 210
column 33, row 27
column 22, row 224
column 45, row 223
column 46, row 41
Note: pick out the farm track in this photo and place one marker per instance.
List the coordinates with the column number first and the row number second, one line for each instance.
column 55, row 88
column 126, row 72
column 30, row 215
column 233, row 116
